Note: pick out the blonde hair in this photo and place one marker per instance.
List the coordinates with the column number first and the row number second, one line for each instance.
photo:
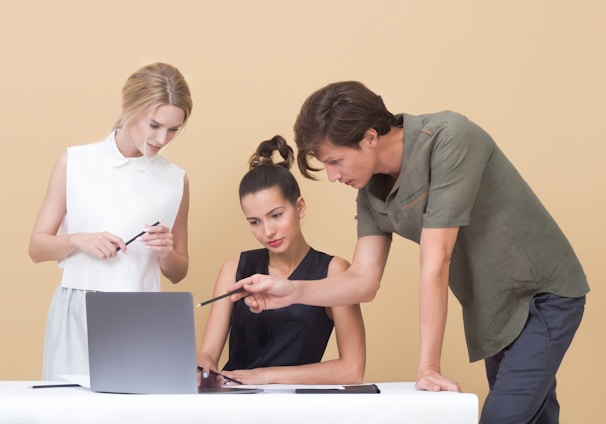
column 152, row 86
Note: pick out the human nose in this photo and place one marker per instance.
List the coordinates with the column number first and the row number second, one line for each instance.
column 269, row 229
column 163, row 137
column 332, row 174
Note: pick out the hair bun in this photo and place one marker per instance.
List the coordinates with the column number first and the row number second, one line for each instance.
column 265, row 153
column 256, row 160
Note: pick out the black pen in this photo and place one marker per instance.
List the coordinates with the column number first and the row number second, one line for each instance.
column 233, row 380
column 206, row 302
column 139, row 235
column 50, row 386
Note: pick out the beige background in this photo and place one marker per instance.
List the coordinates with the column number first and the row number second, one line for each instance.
column 530, row 72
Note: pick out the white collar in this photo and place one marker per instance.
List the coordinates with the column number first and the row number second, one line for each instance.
column 117, row 159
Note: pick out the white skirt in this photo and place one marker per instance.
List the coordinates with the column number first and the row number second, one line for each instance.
column 65, row 340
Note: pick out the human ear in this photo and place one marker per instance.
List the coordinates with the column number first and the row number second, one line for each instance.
column 371, row 137
column 301, row 207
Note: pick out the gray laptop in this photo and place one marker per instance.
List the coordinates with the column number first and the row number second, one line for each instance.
column 144, row 342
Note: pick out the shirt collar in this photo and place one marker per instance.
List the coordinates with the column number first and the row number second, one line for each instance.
column 376, row 185
column 117, row 159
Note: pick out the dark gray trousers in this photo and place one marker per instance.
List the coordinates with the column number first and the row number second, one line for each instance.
column 521, row 377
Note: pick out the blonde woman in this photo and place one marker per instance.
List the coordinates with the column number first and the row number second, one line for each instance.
column 99, row 195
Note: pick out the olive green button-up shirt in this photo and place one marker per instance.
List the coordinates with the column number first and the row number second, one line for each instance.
column 508, row 248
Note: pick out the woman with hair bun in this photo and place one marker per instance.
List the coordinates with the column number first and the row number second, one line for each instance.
column 286, row 345
column 103, row 193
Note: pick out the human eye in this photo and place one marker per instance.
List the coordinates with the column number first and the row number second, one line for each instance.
column 277, row 215
column 174, row 130
column 253, row 222
column 154, row 125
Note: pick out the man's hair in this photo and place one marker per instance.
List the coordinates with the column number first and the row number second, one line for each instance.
column 339, row 113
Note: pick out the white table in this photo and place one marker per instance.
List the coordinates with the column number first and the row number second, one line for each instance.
column 397, row 403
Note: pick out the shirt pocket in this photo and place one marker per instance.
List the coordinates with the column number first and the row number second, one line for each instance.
column 406, row 214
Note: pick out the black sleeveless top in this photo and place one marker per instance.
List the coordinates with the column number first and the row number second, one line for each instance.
column 294, row 335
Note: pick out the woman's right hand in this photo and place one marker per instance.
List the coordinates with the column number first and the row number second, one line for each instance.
column 208, row 379
column 103, row 245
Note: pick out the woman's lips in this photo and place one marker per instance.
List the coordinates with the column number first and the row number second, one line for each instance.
column 275, row 243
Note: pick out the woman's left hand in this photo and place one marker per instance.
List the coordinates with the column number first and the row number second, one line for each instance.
column 159, row 239
column 254, row 376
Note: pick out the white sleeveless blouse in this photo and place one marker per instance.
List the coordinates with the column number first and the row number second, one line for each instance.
column 109, row 192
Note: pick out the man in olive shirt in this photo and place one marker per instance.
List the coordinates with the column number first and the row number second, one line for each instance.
column 441, row 181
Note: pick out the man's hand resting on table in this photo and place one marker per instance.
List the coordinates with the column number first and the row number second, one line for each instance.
column 433, row 381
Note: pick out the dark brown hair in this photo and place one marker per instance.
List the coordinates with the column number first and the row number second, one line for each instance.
column 341, row 113
column 264, row 173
